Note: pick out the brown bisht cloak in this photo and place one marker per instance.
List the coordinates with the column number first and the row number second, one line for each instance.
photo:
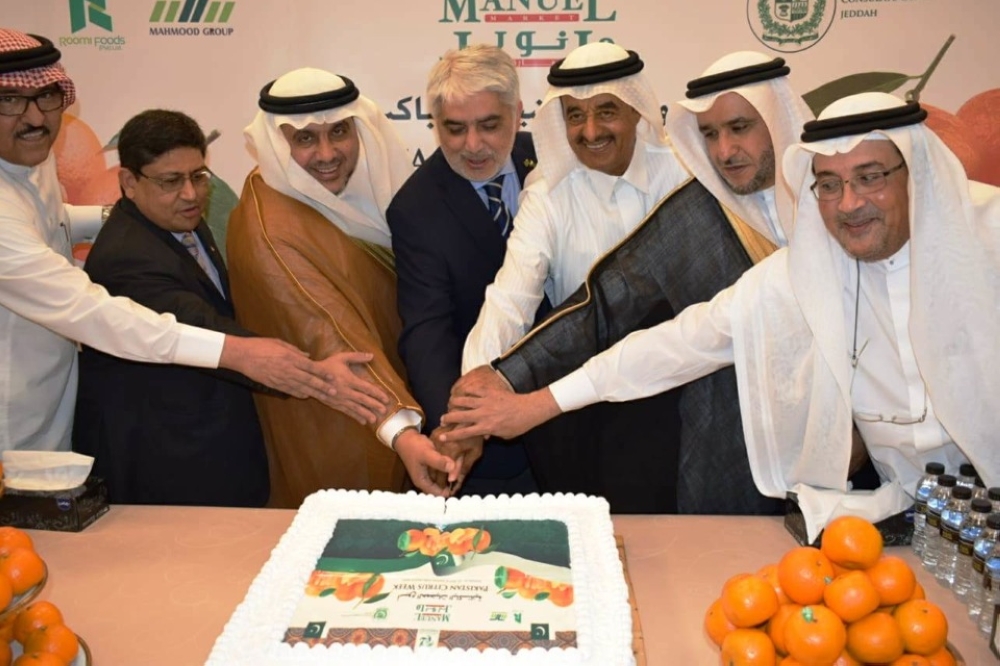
column 297, row 277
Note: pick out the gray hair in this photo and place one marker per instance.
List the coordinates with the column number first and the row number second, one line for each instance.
column 477, row 68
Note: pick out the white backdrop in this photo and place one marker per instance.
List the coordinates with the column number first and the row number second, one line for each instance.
column 129, row 55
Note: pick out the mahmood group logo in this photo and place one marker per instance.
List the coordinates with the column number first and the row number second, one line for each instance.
column 91, row 14
column 790, row 25
column 198, row 12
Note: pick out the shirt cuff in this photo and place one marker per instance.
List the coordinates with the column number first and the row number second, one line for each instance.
column 85, row 221
column 199, row 347
column 574, row 391
column 395, row 423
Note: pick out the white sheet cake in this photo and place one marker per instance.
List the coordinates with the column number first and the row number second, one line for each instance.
column 385, row 579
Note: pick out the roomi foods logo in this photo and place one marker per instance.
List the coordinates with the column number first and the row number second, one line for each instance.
column 91, row 17
column 191, row 18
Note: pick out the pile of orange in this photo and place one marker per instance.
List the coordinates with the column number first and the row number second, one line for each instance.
column 843, row 604
column 39, row 627
column 431, row 541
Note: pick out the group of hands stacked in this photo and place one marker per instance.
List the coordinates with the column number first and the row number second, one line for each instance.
column 482, row 404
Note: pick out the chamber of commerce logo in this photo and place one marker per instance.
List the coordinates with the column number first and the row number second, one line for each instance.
column 91, row 13
column 94, row 12
column 188, row 12
column 790, row 25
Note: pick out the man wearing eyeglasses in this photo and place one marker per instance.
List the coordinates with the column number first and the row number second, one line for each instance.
column 167, row 434
column 46, row 304
column 881, row 314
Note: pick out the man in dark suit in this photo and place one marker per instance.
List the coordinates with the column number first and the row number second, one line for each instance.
column 167, row 434
column 450, row 223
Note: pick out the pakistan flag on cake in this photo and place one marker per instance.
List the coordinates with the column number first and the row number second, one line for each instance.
column 491, row 583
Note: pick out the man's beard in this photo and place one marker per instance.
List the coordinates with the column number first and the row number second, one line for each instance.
column 764, row 173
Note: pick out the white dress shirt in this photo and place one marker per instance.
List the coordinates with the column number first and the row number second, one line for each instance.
column 558, row 235
column 886, row 382
column 46, row 304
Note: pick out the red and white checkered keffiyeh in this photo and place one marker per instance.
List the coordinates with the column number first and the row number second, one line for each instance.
column 36, row 77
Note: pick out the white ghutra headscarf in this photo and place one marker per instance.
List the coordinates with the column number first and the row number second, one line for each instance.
column 315, row 96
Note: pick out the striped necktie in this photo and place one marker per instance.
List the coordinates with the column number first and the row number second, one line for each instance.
column 498, row 209
column 188, row 241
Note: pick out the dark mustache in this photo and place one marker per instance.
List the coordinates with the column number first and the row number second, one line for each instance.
column 604, row 137
column 32, row 128
column 855, row 216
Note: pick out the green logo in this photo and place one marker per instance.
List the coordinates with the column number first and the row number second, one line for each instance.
column 93, row 11
column 314, row 630
column 192, row 11
column 790, row 25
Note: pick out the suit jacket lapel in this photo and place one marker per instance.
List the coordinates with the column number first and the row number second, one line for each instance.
column 470, row 212
column 208, row 241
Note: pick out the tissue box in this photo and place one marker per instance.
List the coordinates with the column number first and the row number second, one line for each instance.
column 60, row 510
column 896, row 530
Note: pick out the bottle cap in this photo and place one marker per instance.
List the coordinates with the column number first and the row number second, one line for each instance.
column 961, row 492
column 980, row 505
column 946, row 480
column 934, row 468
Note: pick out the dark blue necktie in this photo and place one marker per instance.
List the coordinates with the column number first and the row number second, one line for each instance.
column 498, row 209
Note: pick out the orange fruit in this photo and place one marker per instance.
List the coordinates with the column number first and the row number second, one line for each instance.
column 923, row 626
column 749, row 601
column 79, row 156
column 851, row 542
column 776, row 626
column 851, row 596
column 770, row 574
column 6, row 592
column 958, row 136
column 717, row 625
column 942, row 657
column 7, row 629
column 911, row 660
column 788, row 661
column 562, row 595
column 846, row 659
column 57, row 639
column 803, row 574
column 39, row 659
column 6, row 656
column 748, row 647
column 11, row 538
column 23, row 567
column 36, row 616
column 980, row 113
column 893, row 578
column 815, row 636
column 918, row 592
column 875, row 639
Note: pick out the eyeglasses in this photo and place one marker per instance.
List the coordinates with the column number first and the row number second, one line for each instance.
column 832, row 188
column 909, row 419
column 174, row 182
column 47, row 100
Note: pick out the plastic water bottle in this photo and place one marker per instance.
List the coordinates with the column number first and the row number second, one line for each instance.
column 926, row 484
column 993, row 495
column 980, row 551
column 972, row 528
column 953, row 518
column 991, row 584
column 966, row 476
column 979, row 489
column 932, row 533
